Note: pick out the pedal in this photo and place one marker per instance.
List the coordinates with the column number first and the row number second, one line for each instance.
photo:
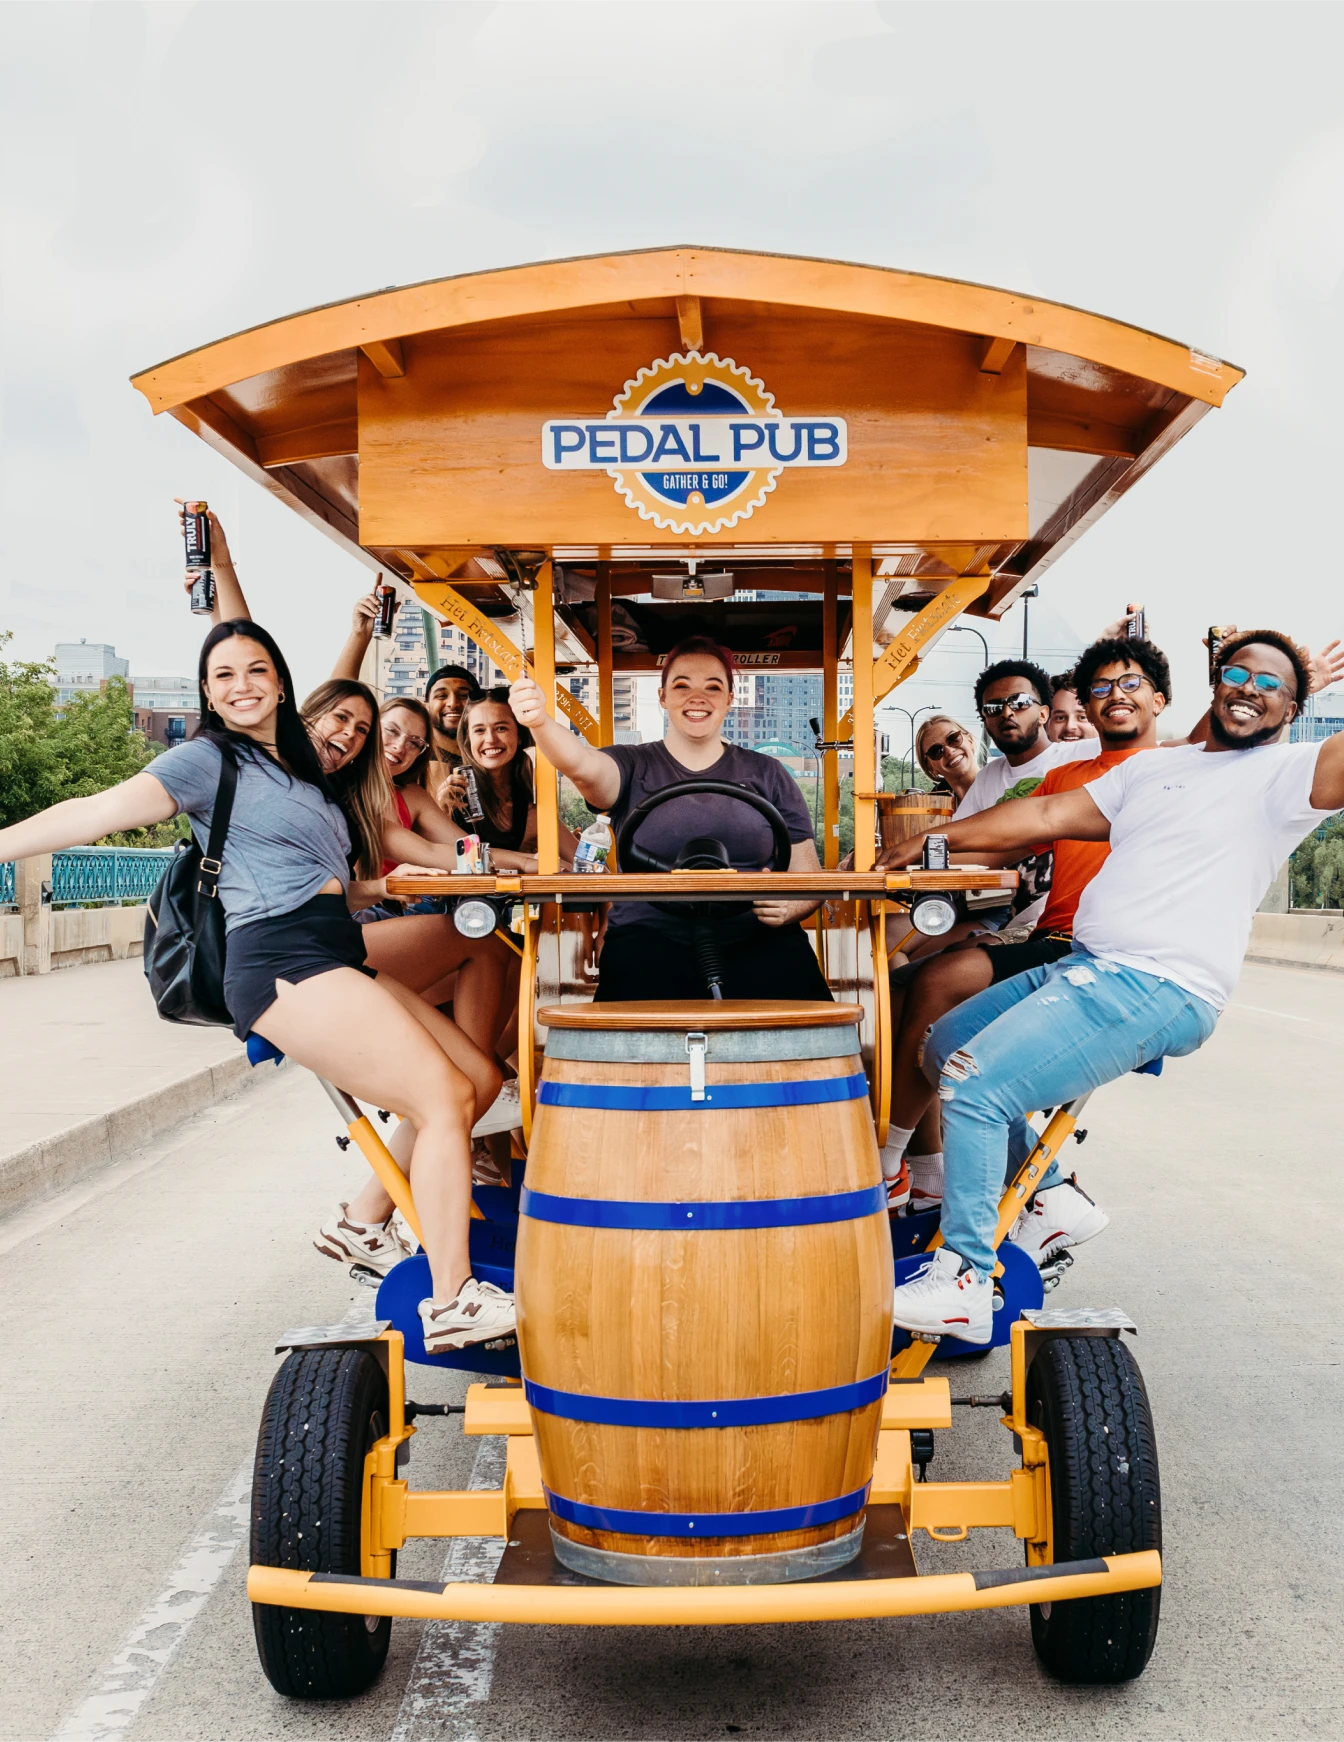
column 501, row 1343
column 1052, row 1272
column 366, row 1278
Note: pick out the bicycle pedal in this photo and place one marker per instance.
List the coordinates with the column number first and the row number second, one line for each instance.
column 366, row 1278
column 1052, row 1273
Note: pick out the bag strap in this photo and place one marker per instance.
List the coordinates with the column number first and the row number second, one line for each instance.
column 212, row 861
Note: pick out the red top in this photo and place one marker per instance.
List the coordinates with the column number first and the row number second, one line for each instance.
column 1076, row 862
column 404, row 818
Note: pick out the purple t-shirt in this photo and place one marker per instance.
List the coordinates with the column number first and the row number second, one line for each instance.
column 648, row 768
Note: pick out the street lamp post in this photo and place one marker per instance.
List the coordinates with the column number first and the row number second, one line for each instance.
column 928, row 708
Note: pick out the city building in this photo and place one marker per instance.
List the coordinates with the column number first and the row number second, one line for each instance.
column 167, row 709
column 85, row 666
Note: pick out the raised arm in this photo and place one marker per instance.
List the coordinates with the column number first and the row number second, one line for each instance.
column 1021, row 823
column 78, row 822
column 596, row 776
column 362, row 620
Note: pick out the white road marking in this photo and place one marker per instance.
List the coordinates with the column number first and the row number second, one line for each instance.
column 133, row 1672
column 1260, row 1010
column 455, row 1665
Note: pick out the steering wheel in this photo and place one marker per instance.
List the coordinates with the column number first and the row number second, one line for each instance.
column 633, row 857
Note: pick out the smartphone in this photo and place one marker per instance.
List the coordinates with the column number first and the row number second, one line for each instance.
column 1218, row 633
column 1137, row 627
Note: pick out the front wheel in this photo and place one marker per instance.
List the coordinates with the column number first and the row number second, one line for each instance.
column 324, row 1411
column 1087, row 1396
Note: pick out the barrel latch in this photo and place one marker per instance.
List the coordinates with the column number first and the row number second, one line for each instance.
column 696, row 1045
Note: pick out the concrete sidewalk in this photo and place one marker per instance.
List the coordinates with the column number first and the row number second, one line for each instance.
column 91, row 1072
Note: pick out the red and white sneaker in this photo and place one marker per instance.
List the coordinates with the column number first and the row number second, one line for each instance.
column 1058, row 1217
column 898, row 1187
column 947, row 1298
column 375, row 1246
column 926, row 1183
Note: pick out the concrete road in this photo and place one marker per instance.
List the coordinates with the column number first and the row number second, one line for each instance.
column 142, row 1312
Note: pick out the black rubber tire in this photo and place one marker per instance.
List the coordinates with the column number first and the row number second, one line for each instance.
column 323, row 1412
column 1087, row 1396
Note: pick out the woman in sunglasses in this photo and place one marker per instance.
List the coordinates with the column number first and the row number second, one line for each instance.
column 945, row 750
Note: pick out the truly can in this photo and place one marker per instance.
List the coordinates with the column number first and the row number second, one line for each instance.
column 935, row 853
column 203, row 592
column 474, row 808
column 387, row 612
column 1218, row 634
column 196, row 535
column 1137, row 627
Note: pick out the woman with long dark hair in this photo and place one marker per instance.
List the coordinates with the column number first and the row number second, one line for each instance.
column 296, row 972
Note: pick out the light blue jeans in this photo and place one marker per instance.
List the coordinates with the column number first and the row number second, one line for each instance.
column 1039, row 1040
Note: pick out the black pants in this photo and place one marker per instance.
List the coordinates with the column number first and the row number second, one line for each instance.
column 643, row 962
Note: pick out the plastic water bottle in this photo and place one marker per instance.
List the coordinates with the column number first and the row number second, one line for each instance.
column 594, row 846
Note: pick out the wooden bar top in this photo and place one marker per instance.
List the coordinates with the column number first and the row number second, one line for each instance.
column 701, row 885
column 701, row 1013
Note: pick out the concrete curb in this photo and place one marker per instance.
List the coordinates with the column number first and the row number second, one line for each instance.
column 55, row 1162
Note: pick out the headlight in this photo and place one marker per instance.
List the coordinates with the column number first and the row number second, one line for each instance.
column 934, row 915
column 475, row 918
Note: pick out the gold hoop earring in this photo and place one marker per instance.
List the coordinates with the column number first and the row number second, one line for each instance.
column 282, row 697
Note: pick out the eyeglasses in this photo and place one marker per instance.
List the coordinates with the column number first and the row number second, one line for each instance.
column 1017, row 703
column 391, row 734
column 1237, row 675
column 935, row 752
column 1130, row 682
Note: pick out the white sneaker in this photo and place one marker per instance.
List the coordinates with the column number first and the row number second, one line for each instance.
column 480, row 1314
column 947, row 1298
column 1058, row 1217
column 375, row 1246
column 485, row 1170
column 926, row 1183
column 505, row 1113
column 898, row 1186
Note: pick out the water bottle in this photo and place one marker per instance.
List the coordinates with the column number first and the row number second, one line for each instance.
column 594, row 846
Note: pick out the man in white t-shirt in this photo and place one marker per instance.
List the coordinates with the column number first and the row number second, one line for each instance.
column 1197, row 835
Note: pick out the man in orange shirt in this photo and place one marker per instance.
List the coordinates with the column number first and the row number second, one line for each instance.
column 1124, row 687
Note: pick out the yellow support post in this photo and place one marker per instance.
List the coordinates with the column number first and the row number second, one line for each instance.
column 901, row 657
column 543, row 659
column 865, row 806
column 830, row 717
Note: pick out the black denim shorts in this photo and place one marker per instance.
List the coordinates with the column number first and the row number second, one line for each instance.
column 314, row 939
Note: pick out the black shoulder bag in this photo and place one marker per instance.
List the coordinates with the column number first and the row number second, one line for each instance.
column 184, row 925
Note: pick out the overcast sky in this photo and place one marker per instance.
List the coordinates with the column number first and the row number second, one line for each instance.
column 176, row 171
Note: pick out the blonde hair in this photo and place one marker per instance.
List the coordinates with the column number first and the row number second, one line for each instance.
column 361, row 788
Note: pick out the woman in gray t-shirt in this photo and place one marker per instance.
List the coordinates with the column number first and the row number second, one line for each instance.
column 295, row 954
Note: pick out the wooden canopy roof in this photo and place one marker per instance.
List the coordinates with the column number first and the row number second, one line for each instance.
column 986, row 429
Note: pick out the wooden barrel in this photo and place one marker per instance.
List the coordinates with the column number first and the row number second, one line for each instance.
column 902, row 814
column 704, row 1280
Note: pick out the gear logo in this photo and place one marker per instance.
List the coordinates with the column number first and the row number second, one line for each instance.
column 693, row 443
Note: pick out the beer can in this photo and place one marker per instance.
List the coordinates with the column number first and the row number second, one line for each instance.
column 387, row 612
column 1137, row 627
column 1218, row 634
column 474, row 809
column 203, row 592
column 935, row 853
column 196, row 535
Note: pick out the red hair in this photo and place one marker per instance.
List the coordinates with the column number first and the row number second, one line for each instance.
column 700, row 644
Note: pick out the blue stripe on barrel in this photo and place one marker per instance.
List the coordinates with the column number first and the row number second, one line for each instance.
column 737, row 1213
column 722, row 1097
column 709, row 1412
column 700, row 1524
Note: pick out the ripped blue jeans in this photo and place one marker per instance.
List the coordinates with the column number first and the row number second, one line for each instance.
column 1034, row 1041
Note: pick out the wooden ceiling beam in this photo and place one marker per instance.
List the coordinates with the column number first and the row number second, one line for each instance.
column 323, row 441
column 386, row 356
column 1082, row 435
column 996, row 354
column 691, row 323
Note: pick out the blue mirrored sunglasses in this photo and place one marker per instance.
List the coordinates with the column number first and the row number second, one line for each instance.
column 1237, row 675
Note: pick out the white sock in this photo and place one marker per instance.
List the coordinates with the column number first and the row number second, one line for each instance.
column 898, row 1139
column 926, row 1178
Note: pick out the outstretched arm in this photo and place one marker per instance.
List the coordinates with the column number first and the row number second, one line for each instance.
column 362, row 620
column 1022, row 823
column 77, row 822
column 596, row 776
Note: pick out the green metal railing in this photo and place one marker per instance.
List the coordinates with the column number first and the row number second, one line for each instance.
column 97, row 876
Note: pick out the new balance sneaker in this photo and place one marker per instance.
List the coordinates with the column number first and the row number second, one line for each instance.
column 485, row 1170
column 898, row 1186
column 947, row 1298
column 505, row 1113
column 1056, row 1218
column 926, row 1183
column 481, row 1313
column 375, row 1246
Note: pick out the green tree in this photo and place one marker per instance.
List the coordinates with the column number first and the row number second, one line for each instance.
column 1317, row 868
column 33, row 773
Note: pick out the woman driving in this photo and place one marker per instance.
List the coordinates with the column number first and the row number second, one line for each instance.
column 764, row 951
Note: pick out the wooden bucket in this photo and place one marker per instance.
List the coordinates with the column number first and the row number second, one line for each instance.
column 704, row 1281
column 902, row 814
